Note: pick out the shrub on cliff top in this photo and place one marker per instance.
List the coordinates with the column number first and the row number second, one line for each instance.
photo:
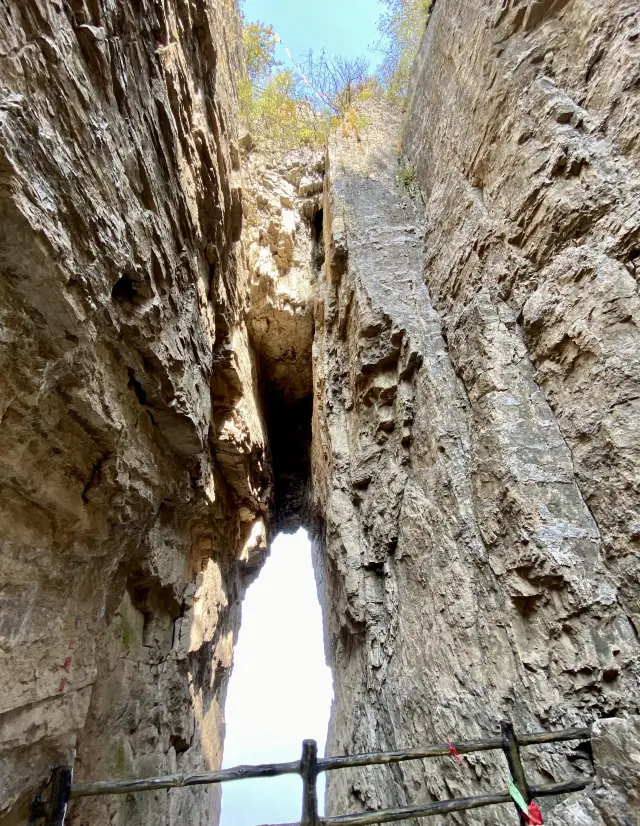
column 259, row 50
column 401, row 27
column 301, row 105
column 277, row 114
column 288, row 108
column 271, row 102
column 336, row 82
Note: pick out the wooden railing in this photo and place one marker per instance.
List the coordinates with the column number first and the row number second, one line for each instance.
column 50, row 806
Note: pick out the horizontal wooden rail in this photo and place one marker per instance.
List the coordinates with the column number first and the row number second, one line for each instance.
column 180, row 780
column 443, row 749
column 540, row 737
column 383, row 757
column 52, row 811
column 324, row 764
column 442, row 807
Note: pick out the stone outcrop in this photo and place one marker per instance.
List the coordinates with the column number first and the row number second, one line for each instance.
column 134, row 474
column 476, row 383
column 284, row 243
column 614, row 797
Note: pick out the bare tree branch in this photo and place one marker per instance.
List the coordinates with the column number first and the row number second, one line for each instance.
column 336, row 81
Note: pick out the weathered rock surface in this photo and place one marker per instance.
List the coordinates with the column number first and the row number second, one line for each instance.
column 475, row 430
column 284, row 244
column 134, row 478
column 526, row 140
column 142, row 334
column 614, row 798
column 475, row 390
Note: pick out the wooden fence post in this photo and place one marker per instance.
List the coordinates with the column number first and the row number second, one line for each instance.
column 309, row 774
column 512, row 753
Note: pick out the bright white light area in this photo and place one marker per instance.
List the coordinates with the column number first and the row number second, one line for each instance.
column 280, row 690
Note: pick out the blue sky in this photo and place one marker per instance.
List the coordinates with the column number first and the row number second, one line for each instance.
column 345, row 27
column 280, row 689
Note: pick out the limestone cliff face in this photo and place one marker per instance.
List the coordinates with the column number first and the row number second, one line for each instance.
column 545, row 182
column 155, row 300
column 461, row 437
column 476, row 376
column 134, row 478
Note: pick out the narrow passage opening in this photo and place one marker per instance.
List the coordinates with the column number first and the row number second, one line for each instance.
column 317, row 241
column 289, row 427
column 280, row 690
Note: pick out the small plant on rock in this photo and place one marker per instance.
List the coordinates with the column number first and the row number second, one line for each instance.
column 407, row 176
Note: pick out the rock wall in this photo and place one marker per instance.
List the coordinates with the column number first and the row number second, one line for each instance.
column 614, row 797
column 543, row 172
column 135, row 482
column 285, row 251
column 476, row 379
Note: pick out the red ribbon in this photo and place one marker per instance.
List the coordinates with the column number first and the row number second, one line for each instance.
column 535, row 815
column 454, row 753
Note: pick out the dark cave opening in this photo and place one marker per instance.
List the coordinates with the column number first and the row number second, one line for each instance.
column 284, row 345
column 317, row 240
column 124, row 290
column 289, row 433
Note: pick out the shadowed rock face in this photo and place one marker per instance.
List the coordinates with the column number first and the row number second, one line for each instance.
column 142, row 336
column 133, row 473
column 285, row 251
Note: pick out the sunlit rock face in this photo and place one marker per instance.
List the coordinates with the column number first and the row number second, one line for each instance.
column 134, row 478
column 476, row 376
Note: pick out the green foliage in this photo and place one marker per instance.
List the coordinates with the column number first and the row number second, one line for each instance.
column 128, row 634
column 289, row 108
column 292, row 108
column 276, row 114
column 270, row 100
column 402, row 28
column 259, row 50
column 407, row 176
column 119, row 761
column 353, row 121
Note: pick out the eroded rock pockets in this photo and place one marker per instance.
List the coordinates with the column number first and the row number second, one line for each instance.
column 133, row 462
column 285, row 248
column 463, row 575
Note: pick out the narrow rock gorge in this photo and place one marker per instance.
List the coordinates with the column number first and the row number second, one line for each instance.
column 421, row 344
